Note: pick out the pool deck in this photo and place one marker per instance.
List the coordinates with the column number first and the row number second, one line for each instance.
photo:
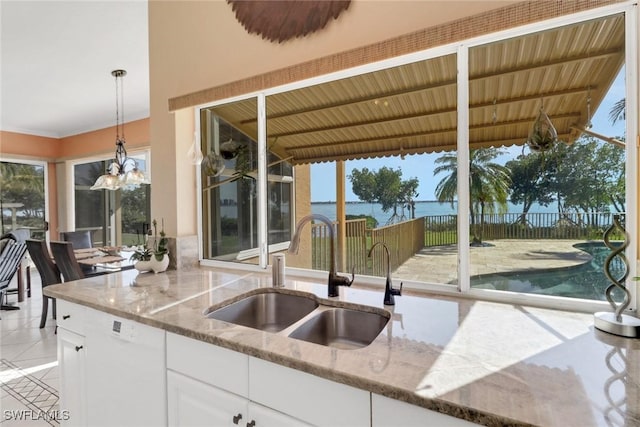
column 439, row 264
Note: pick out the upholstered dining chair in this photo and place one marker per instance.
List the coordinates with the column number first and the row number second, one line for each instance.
column 49, row 274
column 80, row 239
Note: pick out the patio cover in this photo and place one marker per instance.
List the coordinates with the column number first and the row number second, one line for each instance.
column 411, row 109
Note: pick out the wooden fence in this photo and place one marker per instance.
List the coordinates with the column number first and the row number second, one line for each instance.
column 405, row 239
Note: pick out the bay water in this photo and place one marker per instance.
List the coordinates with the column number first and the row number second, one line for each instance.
column 423, row 208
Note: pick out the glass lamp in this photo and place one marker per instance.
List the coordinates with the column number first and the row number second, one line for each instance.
column 123, row 172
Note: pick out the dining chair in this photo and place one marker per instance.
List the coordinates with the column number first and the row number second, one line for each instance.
column 66, row 261
column 80, row 239
column 49, row 274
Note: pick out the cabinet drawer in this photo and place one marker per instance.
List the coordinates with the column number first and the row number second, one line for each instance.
column 70, row 316
column 312, row 399
column 387, row 412
column 217, row 366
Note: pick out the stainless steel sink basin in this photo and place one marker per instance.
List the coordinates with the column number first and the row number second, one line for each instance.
column 271, row 312
column 342, row 328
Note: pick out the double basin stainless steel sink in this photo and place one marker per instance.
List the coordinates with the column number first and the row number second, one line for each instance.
column 305, row 317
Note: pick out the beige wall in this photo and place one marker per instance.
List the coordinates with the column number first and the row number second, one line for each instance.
column 55, row 151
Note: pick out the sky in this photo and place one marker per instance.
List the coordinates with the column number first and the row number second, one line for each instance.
column 323, row 175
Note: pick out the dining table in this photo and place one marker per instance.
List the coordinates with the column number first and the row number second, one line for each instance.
column 105, row 259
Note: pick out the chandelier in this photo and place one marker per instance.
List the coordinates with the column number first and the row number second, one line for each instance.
column 123, row 171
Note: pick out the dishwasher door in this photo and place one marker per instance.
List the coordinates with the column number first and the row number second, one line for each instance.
column 126, row 373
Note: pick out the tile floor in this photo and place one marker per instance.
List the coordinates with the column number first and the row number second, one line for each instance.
column 28, row 363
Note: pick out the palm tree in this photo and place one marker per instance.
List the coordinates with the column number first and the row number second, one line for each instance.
column 618, row 111
column 22, row 183
column 489, row 184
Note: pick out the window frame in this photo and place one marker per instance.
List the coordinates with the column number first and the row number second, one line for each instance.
column 45, row 167
column 263, row 178
column 461, row 49
column 69, row 221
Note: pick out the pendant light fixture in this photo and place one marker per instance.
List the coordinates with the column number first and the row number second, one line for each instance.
column 123, row 171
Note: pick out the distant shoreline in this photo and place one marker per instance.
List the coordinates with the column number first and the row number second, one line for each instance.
column 367, row 203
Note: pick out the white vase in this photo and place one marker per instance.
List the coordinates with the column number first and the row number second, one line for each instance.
column 143, row 266
column 159, row 266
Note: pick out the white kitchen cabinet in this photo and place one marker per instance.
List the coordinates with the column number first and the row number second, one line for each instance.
column 126, row 372
column 392, row 413
column 261, row 416
column 218, row 366
column 72, row 371
column 315, row 400
column 209, row 385
column 109, row 378
column 193, row 403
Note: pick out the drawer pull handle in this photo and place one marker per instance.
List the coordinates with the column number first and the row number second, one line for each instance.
column 237, row 418
column 66, row 316
column 79, row 347
column 252, row 423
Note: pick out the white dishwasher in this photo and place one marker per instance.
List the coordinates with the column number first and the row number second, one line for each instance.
column 126, row 373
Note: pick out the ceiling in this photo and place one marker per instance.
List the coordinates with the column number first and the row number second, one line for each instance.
column 411, row 109
column 56, row 59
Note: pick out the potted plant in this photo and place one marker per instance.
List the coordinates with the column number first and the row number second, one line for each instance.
column 156, row 259
column 543, row 136
column 160, row 259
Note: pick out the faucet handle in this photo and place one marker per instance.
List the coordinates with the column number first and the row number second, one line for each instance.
column 397, row 292
column 344, row 280
column 390, row 292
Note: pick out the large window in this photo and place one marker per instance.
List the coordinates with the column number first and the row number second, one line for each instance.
column 539, row 209
column 493, row 167
column 229, row 175
column 23, row 197
column 114, row 218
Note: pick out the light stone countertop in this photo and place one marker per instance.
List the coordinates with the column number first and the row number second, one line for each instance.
column 490, row 363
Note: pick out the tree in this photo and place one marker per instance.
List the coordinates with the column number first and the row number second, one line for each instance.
column 385, row 187
column 488, row 184
column 618, row 111
column 530, row 182
column 408, row 194
column 589, row 177
column 23, row 183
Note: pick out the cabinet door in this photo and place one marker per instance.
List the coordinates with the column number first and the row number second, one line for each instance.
column 71, row 316
column 314, row 400
column 262, row 416
column 193, row 403
column 72, row 368
column 126, row 371
column 391, row 412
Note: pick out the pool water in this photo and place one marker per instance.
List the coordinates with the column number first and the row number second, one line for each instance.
column 586, row 281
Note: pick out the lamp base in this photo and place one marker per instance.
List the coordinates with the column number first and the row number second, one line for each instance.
column 628, row 326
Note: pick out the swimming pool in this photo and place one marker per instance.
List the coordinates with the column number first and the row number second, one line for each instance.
column 586, row 281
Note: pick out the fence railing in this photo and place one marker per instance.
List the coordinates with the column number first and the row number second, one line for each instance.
column 442, row 230
column 405, row 239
